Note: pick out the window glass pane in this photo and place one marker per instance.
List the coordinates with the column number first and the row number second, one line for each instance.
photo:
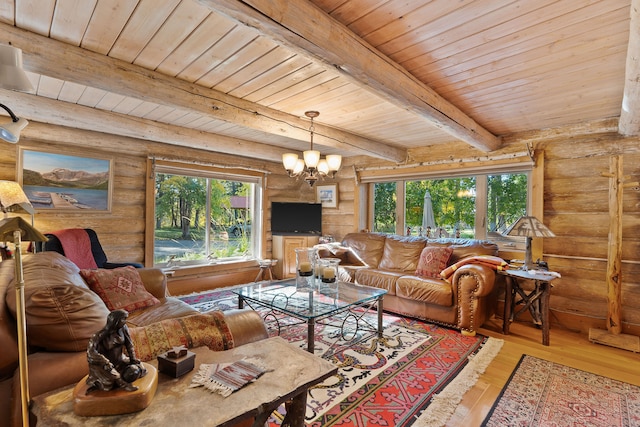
column 232, row 219
column 384, row 207
column 506, row 201
column 440, row 207
column 188, row 230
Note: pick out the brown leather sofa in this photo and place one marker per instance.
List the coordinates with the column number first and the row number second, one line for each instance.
column 464, row 301
column 62, row 313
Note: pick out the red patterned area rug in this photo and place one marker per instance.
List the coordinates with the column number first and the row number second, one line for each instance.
column 415, row 375
column 543, row 393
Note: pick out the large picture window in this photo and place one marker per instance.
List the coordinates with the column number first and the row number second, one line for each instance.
column 205, row 217
column 478, row 206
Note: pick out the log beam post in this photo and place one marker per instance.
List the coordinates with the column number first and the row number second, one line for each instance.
column 613, row 336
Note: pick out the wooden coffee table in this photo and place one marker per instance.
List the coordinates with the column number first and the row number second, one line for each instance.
column 176, row 404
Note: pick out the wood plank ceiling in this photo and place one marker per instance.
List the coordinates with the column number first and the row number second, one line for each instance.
column 386, row 75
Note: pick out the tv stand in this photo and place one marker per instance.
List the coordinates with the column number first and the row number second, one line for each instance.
column 284, row 248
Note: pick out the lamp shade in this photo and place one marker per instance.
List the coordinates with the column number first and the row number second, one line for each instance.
column 289, row 161
column 311, row 158
column 12, row 198
column 323, row 166
column 10, row 131
column 12, row 76
column 27, row 232
column 299, row 167
column 529, row 226
column 334, row 161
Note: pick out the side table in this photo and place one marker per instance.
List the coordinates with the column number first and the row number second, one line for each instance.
column 177, row 404
column 536, row 301
column 266, row 267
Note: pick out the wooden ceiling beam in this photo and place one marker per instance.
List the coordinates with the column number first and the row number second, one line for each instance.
column 52, row 58
column 51, row 111
column 303, row 27
column 629, row 123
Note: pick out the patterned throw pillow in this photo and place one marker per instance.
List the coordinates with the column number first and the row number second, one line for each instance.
column 433, row 260
column 119, row 288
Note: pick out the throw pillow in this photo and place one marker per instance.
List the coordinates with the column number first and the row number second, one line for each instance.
column 119, row 288
column 207, row 329
column 433, row 260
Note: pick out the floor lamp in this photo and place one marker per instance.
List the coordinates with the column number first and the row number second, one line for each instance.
column 12, row 198
column 16, row 230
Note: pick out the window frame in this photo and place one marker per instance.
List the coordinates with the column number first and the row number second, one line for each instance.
column 255, row 177
column 481, row 176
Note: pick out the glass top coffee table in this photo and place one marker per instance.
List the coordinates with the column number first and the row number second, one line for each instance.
column 346, row 302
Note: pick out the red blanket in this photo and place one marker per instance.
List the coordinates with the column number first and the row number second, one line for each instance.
column 77, row 247
column 493, row 262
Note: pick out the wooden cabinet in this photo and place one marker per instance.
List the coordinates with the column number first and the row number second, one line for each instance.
column 284, row 250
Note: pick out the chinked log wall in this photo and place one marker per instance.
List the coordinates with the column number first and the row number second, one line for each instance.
column 575, row 208
column 122, row 231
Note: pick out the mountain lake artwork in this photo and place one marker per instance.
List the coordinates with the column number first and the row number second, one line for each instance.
column 66, row 182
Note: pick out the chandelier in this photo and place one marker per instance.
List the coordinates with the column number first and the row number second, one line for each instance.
column 312, row 168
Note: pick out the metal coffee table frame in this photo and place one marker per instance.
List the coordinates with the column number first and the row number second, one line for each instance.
column 320, row 306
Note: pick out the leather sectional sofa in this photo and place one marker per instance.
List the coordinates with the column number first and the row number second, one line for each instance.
column 463, row 301
column 62, row 313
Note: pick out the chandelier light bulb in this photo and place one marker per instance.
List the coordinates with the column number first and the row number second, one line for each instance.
column 299, row 167
column 323, row 167
column 311, row 158
column 334, row 161
column 289, row 160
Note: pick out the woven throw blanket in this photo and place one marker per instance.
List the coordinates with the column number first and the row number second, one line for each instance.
column 226, row 378
column 493, row 262
column 77, row 247
column 207, row 329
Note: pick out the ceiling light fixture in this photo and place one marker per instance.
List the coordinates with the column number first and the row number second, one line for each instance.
column 311, row 167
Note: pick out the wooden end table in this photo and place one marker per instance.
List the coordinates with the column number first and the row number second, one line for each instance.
column 536, row 301
column 177, row 404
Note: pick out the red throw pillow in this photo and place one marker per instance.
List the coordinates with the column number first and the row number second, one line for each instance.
column 433, row 260
column 119, row 288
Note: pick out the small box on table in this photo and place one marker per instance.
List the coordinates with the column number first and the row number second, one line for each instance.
column 174, row 366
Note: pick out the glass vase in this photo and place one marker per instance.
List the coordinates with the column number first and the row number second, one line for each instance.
column 305, row 266
column 328, row 274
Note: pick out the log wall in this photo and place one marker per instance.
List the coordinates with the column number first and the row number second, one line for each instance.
column 576, row 209
column 574, row 205
column 122, row 230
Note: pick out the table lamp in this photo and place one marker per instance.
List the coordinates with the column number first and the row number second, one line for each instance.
column 529, row 227
column 16, row 229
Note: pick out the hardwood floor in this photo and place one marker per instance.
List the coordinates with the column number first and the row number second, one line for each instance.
column 566, row 347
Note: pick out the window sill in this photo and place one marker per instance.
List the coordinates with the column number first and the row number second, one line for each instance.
column 212, row 268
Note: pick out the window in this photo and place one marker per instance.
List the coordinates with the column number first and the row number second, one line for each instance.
column 385, row 198
column 479, row 206
column 506, row 201
column 205, row 216
column 441, row 207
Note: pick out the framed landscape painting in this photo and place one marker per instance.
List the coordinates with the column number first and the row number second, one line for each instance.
column 327, row 195
column 55, row 181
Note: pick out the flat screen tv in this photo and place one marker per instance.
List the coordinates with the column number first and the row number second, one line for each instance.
column 289, row 218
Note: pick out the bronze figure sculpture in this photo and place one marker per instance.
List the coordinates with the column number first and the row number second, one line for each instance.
column 111, row 356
